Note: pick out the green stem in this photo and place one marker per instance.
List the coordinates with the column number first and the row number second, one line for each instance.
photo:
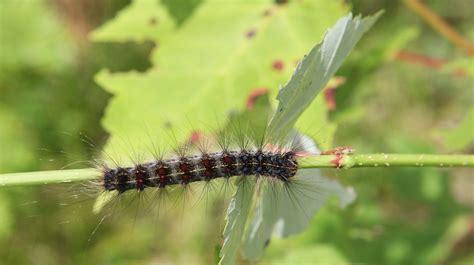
column 48, row 177
column 321, row 161
column 387, row 160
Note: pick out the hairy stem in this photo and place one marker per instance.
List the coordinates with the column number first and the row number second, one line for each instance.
column 320, row 161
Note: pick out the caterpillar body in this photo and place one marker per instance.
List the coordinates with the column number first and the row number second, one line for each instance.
column 203, row 167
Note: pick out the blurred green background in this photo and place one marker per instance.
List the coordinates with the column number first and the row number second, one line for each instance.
column 408, row 90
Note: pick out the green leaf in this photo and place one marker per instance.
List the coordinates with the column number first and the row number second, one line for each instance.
column 449, row 248
column 181, row 9
column 237, row 214
column 209, row 66
column 317, row 254
column 31, row 35
column 16, row 138
column 286, row 210
column 140, row 21
column 313, row 73
column 462, row 65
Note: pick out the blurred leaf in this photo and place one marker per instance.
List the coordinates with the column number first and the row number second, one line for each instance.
column 456, row 243
column 287, row 210
column 318, row 254
column 14, row 137
column 236, row 217
column 312, row 74
column 31, row 35
column 181, row 9
column 6, row 220
column 374, row 50
column 462, row 64
column 209, row 66
column 461, row 136
column 397, row 251
column 432, row 185
column 142, row 20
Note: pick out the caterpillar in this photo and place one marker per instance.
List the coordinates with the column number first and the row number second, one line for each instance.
column 205, row 167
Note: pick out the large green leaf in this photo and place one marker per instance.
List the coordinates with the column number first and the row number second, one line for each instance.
column 209, row 66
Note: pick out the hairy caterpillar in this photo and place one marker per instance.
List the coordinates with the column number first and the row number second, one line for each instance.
column 265, row 162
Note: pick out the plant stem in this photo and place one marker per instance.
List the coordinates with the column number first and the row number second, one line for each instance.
column 48, row 177
column 387, row 160
column 320, row 161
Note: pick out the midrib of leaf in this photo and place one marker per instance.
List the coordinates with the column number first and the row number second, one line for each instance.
column 335, row 49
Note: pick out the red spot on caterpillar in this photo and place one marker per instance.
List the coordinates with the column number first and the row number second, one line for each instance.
column 227, row 159
column 278, row 65
column 184, row 167
column 254, row 95
column 206, row 163
column 162, row 172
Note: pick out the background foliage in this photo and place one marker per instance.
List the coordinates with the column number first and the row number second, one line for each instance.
column 390, row 102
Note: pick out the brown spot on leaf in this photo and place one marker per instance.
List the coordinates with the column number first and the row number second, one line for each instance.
column 330, row 92
column 153, row 21
column 254, row 95
column 281, row 2
column 330, row 97
column 250, row 34
column 267, row 13
column 278, row 65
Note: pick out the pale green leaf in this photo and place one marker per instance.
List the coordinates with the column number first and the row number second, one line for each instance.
column 237, row 215
column 142, row 20
column 315, row 70
column 286, row 210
